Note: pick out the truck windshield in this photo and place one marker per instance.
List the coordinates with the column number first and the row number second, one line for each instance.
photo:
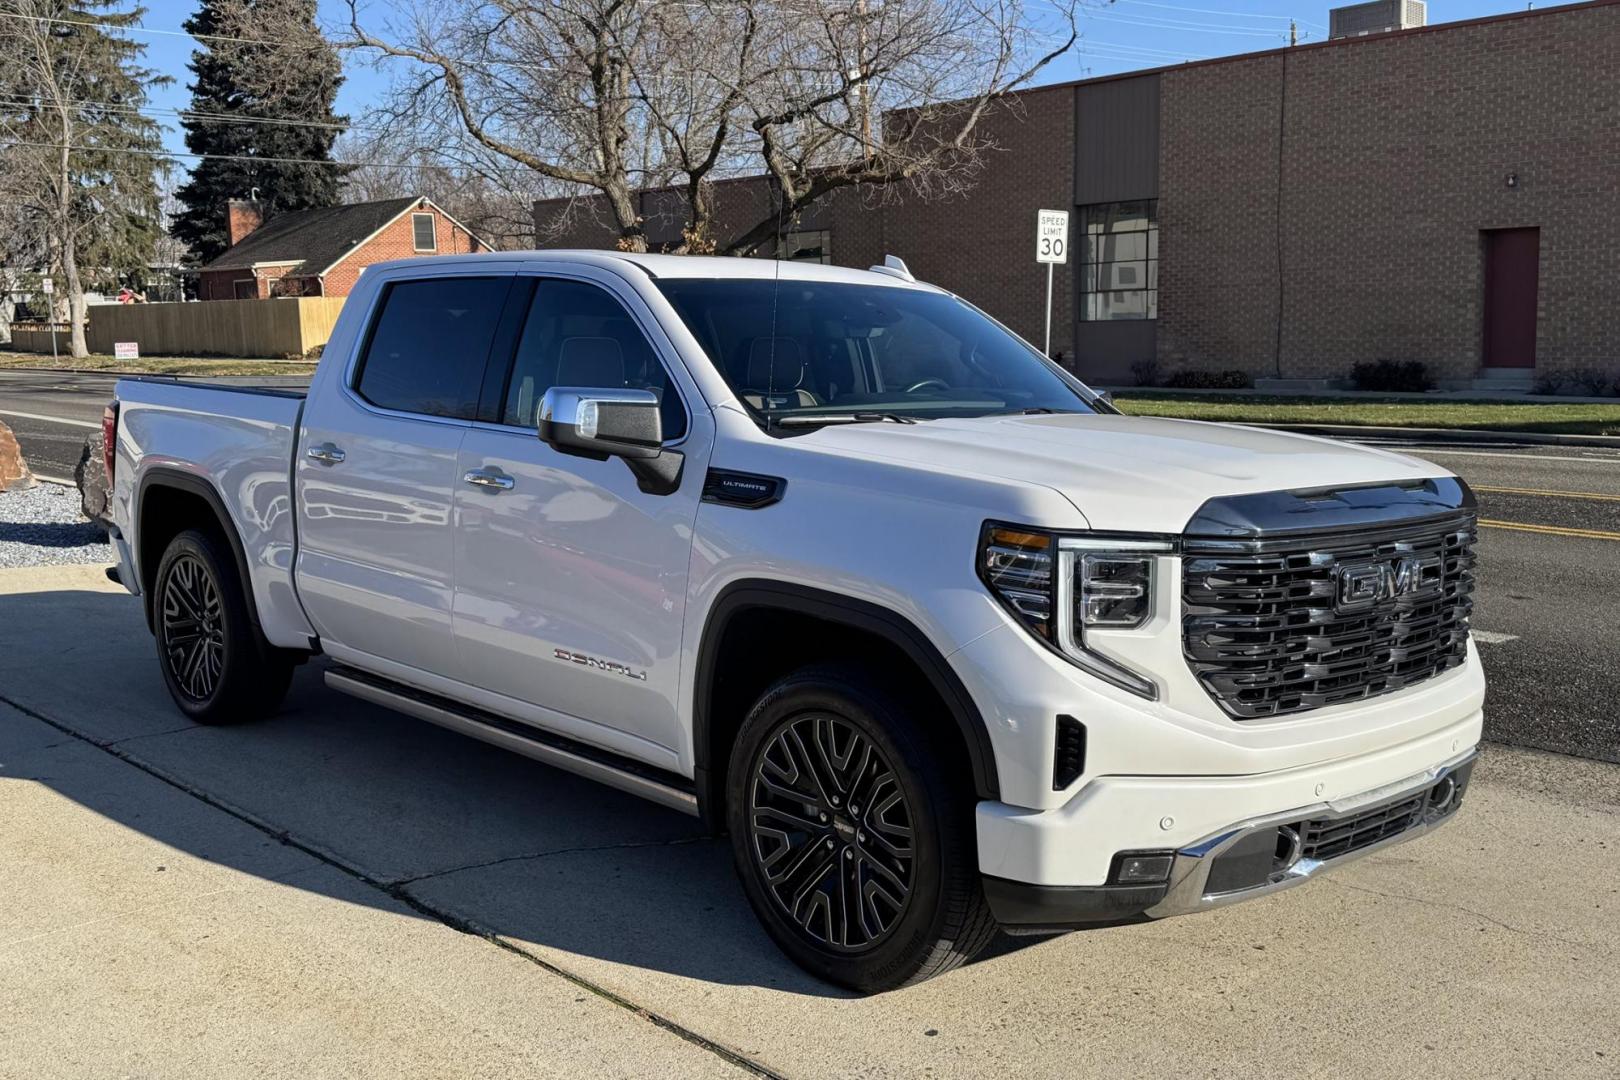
column 800, row 353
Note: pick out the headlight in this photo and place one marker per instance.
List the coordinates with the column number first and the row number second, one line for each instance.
column 1063, row 587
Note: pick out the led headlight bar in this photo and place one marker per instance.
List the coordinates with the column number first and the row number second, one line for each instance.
column 1062, row 586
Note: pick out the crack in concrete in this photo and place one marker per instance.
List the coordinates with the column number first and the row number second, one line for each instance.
column 403, row 896
column 629, row 845
column 1421, row 901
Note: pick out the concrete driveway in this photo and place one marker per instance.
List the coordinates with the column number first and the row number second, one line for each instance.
column 343, row 891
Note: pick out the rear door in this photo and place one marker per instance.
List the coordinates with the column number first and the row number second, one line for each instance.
column 377, row 472
column 570, row 580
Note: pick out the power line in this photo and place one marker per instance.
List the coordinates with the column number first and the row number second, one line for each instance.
column 249, row 158
column 138, row 28
column 1218, row 11
column 187, row 114
column 1192, row 27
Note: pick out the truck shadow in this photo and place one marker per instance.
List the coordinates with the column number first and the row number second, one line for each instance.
column 466, row 832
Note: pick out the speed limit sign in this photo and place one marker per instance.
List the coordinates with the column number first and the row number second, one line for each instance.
column 1052, row 236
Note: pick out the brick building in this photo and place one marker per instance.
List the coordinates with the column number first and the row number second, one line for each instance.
column 1448, row 194
column 321, row 252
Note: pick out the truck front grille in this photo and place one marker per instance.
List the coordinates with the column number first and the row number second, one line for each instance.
column 1331, row 838
column 1278, row 626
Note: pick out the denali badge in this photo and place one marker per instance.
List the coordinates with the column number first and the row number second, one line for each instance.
column 603, row 665
column 1361, row 585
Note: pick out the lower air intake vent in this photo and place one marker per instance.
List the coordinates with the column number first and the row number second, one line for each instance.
column 1069, row 758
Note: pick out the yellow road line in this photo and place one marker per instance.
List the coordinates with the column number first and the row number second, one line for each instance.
column 1553, row 530
column 1554, row 494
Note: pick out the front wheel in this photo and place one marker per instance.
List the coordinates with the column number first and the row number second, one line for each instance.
column 854, row 847
column 217, row 666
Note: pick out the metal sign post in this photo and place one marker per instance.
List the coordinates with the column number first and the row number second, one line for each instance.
column 47, row 286
column 1051, row 248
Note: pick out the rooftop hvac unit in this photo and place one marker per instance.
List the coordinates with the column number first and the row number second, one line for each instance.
column 1377, row 17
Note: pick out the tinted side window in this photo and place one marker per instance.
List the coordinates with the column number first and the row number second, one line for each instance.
column 579, row 335
column 428, row 348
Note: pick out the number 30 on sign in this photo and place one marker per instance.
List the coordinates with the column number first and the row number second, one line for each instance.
column 1052, row 236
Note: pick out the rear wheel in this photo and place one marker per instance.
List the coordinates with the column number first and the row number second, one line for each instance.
column 854, row 847
column 217, row 666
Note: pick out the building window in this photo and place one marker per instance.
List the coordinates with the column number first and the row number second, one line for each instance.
column 422, row 232
column 1120, row 261
column 809, row 245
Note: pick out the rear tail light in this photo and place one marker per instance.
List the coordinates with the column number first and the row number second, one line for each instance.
column 109, row 441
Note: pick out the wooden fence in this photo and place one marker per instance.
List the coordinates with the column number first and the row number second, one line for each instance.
column 285, row 326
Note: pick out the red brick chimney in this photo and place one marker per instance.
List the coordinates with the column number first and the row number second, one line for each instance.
column 242, row 216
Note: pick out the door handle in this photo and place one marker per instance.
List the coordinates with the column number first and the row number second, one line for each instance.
column 325, row 453
column 489, row 478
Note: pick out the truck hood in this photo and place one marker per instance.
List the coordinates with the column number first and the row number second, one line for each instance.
column 1129, row 473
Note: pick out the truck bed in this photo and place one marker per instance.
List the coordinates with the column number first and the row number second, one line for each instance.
column 240, row 441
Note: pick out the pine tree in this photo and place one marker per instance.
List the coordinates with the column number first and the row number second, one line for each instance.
column 81, row 158
column 279, row 70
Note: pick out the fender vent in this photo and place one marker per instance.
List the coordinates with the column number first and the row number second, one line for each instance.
column 1069, row 753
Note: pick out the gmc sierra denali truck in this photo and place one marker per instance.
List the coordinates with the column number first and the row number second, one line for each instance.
column 837, row 562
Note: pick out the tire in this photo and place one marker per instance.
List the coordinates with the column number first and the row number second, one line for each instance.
column 813, row 743
column 221, row 671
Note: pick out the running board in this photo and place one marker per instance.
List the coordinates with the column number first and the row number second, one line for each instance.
column 655, row 785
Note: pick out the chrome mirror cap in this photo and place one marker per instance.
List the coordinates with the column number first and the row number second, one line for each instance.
column 601, row 421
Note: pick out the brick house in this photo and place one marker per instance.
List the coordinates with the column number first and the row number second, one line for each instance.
column 1448, row 194
column 321, row 252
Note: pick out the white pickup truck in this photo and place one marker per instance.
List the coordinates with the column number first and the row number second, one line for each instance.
column 837, row 562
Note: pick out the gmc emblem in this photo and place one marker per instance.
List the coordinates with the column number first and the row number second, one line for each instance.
column 1361, row 585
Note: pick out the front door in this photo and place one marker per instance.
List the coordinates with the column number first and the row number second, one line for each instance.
column 377, row 474
column 1512, row 272
column 571, row 581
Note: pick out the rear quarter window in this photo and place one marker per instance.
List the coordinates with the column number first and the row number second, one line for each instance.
column 429, row 344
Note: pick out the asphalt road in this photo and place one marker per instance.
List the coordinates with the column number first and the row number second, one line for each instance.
column 343, row 891
column 1547, row 618
column 52, row 412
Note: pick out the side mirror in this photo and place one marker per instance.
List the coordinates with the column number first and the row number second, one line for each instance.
column 601, row 423
column 1106, row 395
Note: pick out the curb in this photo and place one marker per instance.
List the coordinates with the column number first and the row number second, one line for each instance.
column 1417, row 434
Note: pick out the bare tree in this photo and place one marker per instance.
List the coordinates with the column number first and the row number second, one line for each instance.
column 876, row 94
column 79, row 156
column 544, row 84
column 608, row 98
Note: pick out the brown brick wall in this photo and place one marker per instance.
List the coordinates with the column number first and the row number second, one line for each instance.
column 396, row 242
column 1395, row 156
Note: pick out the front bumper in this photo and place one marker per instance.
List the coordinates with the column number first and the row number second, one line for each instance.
column 1247, row 859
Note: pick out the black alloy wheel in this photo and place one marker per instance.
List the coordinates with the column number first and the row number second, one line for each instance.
column 852, row 829
column 831, row 832
column 216, row 663
column 192, row 628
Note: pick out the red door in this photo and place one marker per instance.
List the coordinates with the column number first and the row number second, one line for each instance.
column 1512, row 270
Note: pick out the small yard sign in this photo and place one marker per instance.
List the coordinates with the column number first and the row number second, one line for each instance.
column 127, row 350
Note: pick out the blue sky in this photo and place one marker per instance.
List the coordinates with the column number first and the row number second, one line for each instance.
column 1121, row 35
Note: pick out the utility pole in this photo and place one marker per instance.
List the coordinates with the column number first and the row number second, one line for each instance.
column 1293, row 33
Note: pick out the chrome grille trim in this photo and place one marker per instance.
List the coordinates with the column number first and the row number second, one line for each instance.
column 1262, row 632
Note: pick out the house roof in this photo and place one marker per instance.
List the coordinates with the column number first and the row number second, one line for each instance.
column 314, row 239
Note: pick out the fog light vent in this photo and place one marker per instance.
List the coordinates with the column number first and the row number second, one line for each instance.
column 1069, row 755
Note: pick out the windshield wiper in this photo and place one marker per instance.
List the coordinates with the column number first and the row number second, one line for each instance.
column 843, row 418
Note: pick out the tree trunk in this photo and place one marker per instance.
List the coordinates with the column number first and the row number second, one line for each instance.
column 75, row 291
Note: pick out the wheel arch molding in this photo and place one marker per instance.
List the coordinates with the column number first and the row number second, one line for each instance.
column 163, row 478
column 757, row 596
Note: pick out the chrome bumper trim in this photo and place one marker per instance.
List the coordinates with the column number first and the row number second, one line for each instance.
column 1191, row 870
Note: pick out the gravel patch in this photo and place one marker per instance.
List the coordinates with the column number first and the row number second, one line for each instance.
column 44, row 526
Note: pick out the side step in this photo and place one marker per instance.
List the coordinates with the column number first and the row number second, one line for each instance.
column 656, row 785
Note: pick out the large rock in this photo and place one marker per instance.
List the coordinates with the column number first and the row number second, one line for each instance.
column 91, row 476
column 14, row 474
